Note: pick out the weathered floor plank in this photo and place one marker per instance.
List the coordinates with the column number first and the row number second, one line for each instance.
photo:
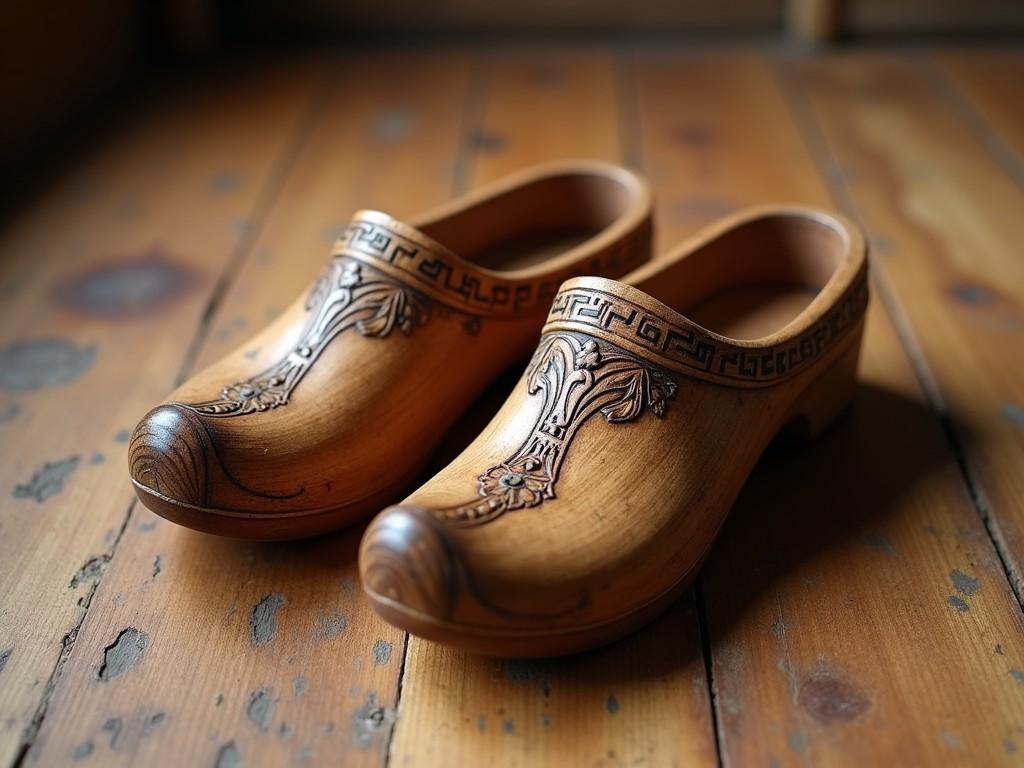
column 989, row 84
column 104, row 282
column 858, row 613
column 945, row 217
column 644, row 700
column 267, row 653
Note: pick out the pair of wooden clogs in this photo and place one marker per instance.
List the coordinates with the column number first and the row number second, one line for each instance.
column 590, row 500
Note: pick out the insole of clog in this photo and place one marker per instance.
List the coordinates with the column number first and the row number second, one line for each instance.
column 751, row 311
column 527, row 250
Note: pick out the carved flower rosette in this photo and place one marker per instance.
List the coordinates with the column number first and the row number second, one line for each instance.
column 578, row 377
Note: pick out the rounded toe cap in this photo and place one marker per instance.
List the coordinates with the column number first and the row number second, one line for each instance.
column 407, row 561
column 167, row 456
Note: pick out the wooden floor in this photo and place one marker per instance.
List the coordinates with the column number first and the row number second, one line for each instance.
column 862, row 606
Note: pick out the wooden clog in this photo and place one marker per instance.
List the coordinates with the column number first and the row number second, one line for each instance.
column 589, row 502
column 358, row 380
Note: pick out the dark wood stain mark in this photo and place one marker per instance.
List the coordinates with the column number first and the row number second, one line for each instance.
column 129, row 288
column 286, row 730
column 47, row 481
column 831, row 700
column 371, row 721
column 260, row 708
column 263, row 622
column 27, row 366
column 693, row 136
column 123, row 654
column 157, row 565
column 228, row 756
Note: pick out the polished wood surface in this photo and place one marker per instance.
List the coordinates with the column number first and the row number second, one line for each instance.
column 856, row 609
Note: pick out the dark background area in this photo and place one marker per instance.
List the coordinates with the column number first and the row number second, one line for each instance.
column 64, row 64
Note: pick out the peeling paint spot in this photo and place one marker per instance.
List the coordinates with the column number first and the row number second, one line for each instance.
column 10, row 413
column 382, row 652
column 880, row 543
column 964, row 584
column 260, row 709
column 90, row 571
column 393, row 125
column 113, row 726
column 330, row 625
column 263, row 622
column 5, row 656
column 153, row 722
column 611, row 704
column 131, row 287
column 47, row 481
column 300, row 686
column 1013, row 414
column 798, row 741
column 485, row 141
column 27, row 366
column 1017, row 675
column 959, row 603
column 83, row 750
column 971, row 293
column 370, row 721
column 830, row 700
column 123, row 654
column 224, row 183
column 228, row 756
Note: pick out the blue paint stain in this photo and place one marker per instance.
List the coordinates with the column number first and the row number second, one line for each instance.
column 224, row 183
column 612, row 705
column 970, row 293
column 1012, row 413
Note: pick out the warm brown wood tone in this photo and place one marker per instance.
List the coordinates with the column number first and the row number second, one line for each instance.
column 553, row 532
column 332, row 410
column 945, row 209
column 105, row 280
column 810, row 588
column 869, row 572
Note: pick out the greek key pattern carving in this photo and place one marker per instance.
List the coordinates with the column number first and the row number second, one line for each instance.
column 448, row 280
column 690, row 349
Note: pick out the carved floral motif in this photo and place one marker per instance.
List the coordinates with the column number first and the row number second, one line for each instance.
column 343, row 297
column 577, row 377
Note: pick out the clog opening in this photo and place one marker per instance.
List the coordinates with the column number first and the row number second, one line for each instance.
column 755, row 279
column 526, row 225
